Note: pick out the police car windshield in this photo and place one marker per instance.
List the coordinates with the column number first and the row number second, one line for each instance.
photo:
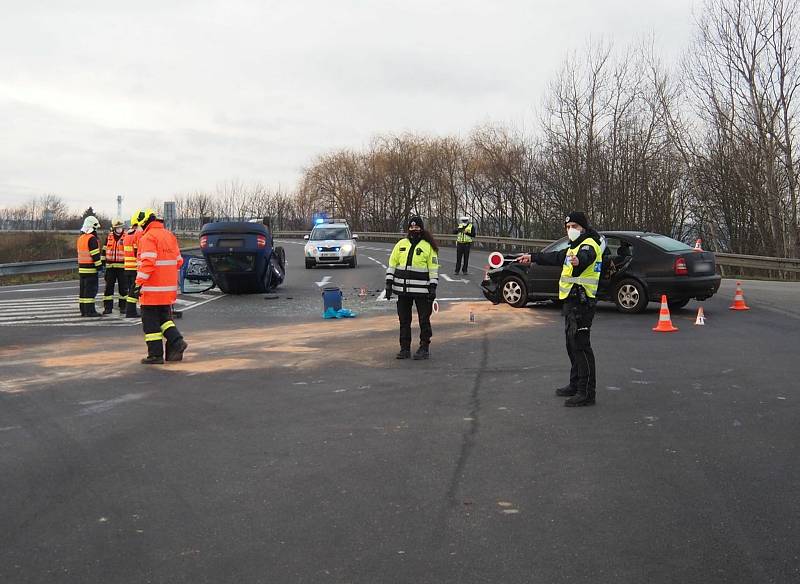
column 323, row 233
column 666, row 243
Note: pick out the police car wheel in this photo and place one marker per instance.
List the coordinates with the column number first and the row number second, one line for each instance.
column 514, row 292
column 309, row 264
column 630, row 296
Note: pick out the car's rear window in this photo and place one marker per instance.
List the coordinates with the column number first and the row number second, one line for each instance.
column 233, row 262
column 322, row 233
column 666, row 243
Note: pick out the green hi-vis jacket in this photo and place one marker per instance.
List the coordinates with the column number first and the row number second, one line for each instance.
column 589, row 279
column 412, row 267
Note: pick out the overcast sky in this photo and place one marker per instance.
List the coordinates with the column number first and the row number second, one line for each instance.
column 152, row 98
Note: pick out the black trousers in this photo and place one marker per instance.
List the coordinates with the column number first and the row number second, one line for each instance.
column 158, row 327
column 130, row 305
column 578, row 327
column 424, row 310
column 115, row 276
column 462, row 253
column 87, row 291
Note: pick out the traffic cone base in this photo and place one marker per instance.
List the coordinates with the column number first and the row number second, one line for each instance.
column 664, row 321
column 701, row 317
column 738, row 300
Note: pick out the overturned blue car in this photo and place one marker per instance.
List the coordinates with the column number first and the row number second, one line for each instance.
column 241, row 257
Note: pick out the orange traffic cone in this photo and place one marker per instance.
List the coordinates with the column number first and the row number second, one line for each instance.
column 738, row 300
column 698, row 245
column 701, row 317
column 664, row 321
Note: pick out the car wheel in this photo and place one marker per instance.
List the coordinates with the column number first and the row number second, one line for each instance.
column 630, row 296
column 678, row 304
column 309, row 264
column 514, row 292
column 281, row 253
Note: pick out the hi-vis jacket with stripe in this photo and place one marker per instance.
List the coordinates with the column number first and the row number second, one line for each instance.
column 88, row 254
column 130, row 241
column 114, row 251
column 412, row 267
column 588, row 277
column 588, row 248
column 159, row 262
column 465, row 235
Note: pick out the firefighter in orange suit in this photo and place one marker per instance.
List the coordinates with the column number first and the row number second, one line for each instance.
column 89, row 262
column 157, row 289
column 130, row 243
column 114, row 258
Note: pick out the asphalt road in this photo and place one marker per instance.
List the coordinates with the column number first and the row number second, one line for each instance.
column 287, row 448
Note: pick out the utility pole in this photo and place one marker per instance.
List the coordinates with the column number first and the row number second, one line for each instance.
column 119, row 207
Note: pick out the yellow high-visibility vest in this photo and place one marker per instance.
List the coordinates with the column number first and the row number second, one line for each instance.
column 462, row 235
column 589, row 279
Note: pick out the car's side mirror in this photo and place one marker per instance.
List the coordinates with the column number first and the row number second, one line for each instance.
column 355, row 236
column 305, row 237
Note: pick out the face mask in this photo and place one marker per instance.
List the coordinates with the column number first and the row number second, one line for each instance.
column 415, row 235
column 118, row 231
column 573, row 233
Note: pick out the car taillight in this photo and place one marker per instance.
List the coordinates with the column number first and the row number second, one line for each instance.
column 261, row 241
column 204, row 241
column 680, row 267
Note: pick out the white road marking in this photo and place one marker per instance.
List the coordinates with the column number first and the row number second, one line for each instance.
column 38, row 289
column 65, row 311
column 380, row 263
column 106, row 405
column 196, row 304
column 325, row 280
column 460, row 299
column 449, row 279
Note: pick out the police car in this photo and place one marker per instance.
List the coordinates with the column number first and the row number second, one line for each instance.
column 331, row 243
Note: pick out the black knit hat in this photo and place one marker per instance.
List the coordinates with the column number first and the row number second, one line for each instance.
column 416, row 220
column 578, row 217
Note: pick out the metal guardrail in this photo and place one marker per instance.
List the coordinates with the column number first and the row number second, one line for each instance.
column 725, row 260
column 38, row 267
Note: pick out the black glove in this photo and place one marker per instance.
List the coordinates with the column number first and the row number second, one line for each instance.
column 431, row 292
column 136, row 290
column 388, row 291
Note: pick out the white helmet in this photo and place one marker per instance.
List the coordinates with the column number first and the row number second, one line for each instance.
column 90, row 224
column 463, row 219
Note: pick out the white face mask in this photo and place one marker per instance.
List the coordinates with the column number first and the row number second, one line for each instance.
column 573, row 233
column 118, row 230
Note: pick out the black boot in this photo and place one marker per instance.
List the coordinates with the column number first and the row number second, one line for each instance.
column 153, row 360
column 580, row 399
column 92, row 311
column 175, row 350
column 404, row 354
column 83, row 308
column 422, row 353
column 566, row 391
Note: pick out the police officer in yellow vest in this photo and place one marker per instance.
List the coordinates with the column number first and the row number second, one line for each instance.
column 582, row 263
column 465, row 233
column 413, row 275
